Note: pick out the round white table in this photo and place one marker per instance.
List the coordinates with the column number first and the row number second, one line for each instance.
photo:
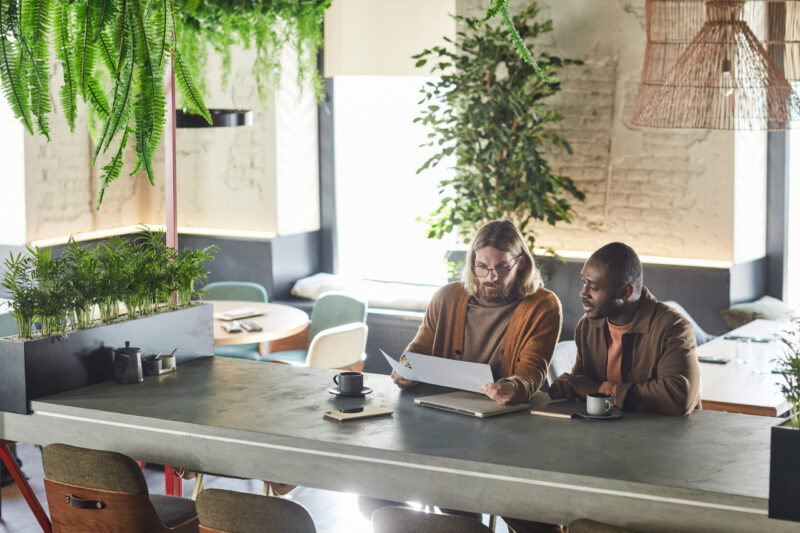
column 276, row 320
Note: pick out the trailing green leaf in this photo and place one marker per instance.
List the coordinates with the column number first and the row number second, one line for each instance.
column 64, row 51
column 11, row 75
column 33, row 38
column 112, row 170
column 192, row 97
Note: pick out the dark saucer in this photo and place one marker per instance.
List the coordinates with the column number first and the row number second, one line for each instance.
column 337, row 392
column 615, row 413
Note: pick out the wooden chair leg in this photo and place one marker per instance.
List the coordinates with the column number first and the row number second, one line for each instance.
column 198, row 485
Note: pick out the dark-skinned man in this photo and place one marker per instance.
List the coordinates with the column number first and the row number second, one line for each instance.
column 630, row 345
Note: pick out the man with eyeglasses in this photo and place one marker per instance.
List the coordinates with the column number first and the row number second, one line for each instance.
column 499, row 313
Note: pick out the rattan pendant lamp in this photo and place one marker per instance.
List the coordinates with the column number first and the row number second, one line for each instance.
column 706, row 67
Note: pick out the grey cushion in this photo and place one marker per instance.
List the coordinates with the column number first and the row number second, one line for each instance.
column 766, row 307
column 252, row 513
column 93, row 468
column 173, row 511
column 700, row 336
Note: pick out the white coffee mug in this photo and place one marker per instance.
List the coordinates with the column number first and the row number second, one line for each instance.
column 599, row 404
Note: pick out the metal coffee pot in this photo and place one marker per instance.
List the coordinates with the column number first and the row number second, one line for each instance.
column 128, row 364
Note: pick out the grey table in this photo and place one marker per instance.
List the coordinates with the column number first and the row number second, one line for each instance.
column 706, row 472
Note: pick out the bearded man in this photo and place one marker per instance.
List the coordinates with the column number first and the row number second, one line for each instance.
column 499, row 314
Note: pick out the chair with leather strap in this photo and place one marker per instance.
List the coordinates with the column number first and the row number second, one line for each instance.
column 92, row 490
column 226, row 511
column 237, row 290
column 331, row 310
column 403, row 519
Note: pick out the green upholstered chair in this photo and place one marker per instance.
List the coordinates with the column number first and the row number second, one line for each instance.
column 8, row 325
column 228, row 511
column 403, row 519
column 92, row 490
column 331, row 309
column 237, row 290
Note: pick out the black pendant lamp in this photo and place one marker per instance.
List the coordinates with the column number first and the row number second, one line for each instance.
column 220, row 118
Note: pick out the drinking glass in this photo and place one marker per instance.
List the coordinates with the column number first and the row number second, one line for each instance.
column 744, row 351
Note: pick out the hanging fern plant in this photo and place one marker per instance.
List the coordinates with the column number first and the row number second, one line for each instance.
column 129, row 42
column 268, row 26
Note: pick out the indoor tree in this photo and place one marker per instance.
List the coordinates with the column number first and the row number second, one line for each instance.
column 488, row 111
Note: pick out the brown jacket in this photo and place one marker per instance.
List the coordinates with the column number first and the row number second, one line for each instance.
column 526, row 348
column 660, row 372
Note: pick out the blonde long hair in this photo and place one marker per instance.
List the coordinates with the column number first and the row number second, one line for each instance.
column 504, row 236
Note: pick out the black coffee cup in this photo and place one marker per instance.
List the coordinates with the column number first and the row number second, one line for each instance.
column 349, row 382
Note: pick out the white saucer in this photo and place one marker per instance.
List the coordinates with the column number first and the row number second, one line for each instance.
column 337, row 392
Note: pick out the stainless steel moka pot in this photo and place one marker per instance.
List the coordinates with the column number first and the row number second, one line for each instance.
column 128, row 364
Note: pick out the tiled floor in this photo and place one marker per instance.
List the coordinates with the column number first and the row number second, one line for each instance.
column 333, row 512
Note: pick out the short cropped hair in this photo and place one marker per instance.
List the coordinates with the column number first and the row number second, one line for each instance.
column 504, row 236
column 623, row 262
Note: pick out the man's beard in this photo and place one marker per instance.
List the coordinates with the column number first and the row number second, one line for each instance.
column 500, row 292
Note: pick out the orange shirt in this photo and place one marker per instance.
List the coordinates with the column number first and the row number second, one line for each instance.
column 614, row 367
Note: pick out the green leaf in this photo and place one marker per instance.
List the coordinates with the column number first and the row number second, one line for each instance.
column 187, row 87
column 14, row 86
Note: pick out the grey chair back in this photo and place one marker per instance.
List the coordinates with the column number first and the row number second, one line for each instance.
column 236, row 290
column 563, row 359
column 240, row 512
column 93, row 468
column 404, row 519
column 8, row 325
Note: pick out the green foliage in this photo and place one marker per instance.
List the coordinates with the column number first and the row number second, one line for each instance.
column 789, row 368
column 501, row 7
column 110, row 51
column 487, row 112
column 64, row 293
column 267, row 25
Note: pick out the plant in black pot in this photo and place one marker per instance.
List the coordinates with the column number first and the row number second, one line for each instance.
column 784, row 472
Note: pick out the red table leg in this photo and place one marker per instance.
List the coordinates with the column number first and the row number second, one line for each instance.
column 173, row 484
column 24, row 486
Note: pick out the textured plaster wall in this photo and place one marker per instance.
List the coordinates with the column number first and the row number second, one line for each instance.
column 665, row 192
column 228, row 178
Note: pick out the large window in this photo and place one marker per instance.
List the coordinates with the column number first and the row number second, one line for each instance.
column 378, row 193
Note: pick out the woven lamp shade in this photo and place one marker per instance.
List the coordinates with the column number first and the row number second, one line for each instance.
column 720, row 64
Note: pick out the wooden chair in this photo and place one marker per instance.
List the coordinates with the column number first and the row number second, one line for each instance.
column 226, row 511
column 403, row 519
column 91, row 490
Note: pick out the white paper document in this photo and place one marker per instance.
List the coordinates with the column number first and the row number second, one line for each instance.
column 463, row 375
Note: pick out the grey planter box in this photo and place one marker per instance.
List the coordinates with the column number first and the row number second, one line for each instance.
column 40, row 367
column 784, row 473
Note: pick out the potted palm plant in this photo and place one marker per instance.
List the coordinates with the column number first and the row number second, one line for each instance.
column 77, row 298
column 784, row 473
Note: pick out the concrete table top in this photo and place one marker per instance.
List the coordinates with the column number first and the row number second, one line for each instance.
column 705, row 472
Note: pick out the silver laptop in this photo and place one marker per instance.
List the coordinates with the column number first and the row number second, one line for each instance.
column 468, row 403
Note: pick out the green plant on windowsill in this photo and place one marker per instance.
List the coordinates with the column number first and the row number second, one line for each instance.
column 488, row 113
column 789, row 368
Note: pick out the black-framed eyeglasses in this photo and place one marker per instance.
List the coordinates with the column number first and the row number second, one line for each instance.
column 500, row 271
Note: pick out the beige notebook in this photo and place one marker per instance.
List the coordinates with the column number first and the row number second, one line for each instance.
column 367, row 411
column 468, row 403
column 556, row 409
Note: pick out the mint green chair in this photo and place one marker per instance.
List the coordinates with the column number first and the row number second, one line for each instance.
column 237, row 290
column 8, row 325
column 331, row 309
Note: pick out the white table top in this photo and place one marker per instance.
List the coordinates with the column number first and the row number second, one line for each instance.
column 735, row 386
column 277, row 321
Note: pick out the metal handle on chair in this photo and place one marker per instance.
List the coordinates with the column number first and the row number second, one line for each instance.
column 80, row 503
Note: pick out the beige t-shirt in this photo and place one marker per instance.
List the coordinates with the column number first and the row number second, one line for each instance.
column 484, row 329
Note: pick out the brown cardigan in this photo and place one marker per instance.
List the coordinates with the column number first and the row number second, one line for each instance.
column 660, row 372
column 526, row 348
